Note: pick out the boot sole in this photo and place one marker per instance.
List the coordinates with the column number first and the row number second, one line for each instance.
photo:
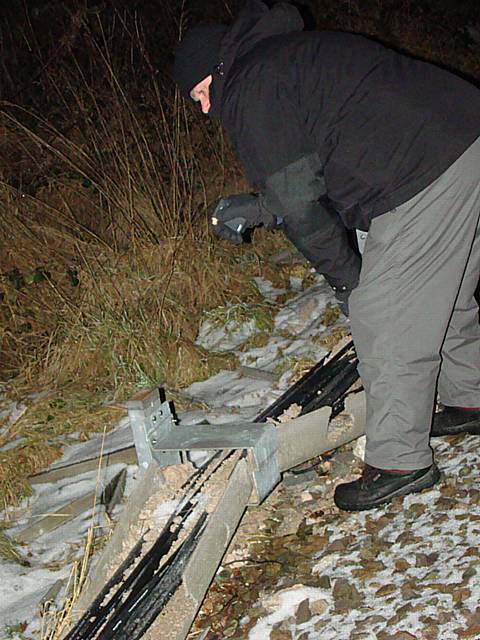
column 425, row 482
column 473, row 428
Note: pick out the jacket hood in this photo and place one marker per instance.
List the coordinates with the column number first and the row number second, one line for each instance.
column 255, row 23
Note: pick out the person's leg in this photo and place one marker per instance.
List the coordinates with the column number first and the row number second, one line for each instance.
column 414, row 261
column 459, row 380
column 415, row 279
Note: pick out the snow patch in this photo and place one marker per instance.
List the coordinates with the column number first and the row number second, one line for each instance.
column 283, row 605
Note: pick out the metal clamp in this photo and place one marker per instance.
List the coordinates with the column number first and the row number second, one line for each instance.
column 158, row 437
column 151, row 416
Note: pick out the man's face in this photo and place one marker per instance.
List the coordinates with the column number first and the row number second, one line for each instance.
column 201, row 93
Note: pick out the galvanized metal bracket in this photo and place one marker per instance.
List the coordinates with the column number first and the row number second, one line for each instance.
column 158, row 437
column 150, row 416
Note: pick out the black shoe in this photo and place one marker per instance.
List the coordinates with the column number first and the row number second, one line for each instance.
column 376, row 487
column 453, row 420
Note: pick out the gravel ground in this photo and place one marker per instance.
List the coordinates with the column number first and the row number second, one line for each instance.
column 299, row 569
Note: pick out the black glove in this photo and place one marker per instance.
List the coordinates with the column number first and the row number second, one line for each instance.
column 234, row 214
column 342, row 293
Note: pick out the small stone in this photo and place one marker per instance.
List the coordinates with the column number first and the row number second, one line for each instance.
column 444, row 617
column 449, row 490
column 431, row 632
column 383, row 521
column 368, row 569
column 303, row 613
column 425, row 559
column 432, row 576
column 407, row 537
column 314, row 544
column 459, row 595
column 346, row 595
column 324, row 582
column 367, row 553
column 386, row 590
column 280, row 634
column 417, row 509
column 359, row 448
column 468, row 573
column 472, row 632
column 408, row 591
column 474, row 618
column 338, row 545
column 373, row 619
column 401, row 613
column 318, row 607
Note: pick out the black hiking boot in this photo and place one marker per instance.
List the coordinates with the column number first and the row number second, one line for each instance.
column 377, row 486
column 453, row 420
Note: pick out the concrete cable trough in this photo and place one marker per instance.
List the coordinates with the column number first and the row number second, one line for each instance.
column 151, row 584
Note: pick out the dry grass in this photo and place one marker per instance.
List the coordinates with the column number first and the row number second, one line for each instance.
column 131, row 320
column 9, row 551
column 122, row 331
column 49, row 423
column 336, row 335
column 109, row 262
column 56, row 623
column 330, row 316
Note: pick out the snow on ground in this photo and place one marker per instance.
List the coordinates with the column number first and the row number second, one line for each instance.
column 406, row 571
column 283, row 606
column 51, row 554
column 22, row 590
column 118, row 438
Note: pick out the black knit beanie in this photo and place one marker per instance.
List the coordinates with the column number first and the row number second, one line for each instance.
column 197, row 55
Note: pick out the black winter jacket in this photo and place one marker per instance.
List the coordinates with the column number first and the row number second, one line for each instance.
column 336, row 114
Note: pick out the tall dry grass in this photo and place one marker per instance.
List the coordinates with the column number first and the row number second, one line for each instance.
column 108, row 263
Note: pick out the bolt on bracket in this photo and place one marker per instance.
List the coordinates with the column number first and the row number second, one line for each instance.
column 151, row 416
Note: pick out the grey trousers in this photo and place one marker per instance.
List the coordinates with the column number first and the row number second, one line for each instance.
column 414, row 318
